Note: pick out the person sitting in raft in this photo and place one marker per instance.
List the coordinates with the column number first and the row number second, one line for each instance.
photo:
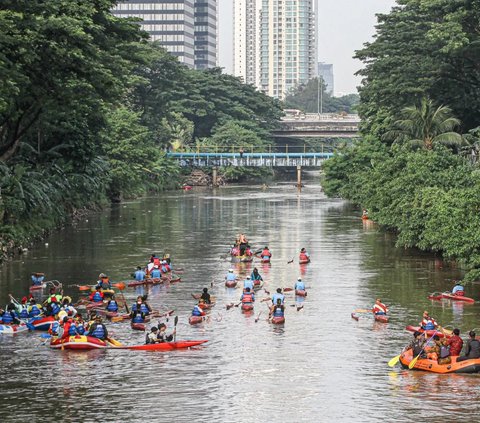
column 92, row 315
column 53, row 308
column 278, row 295
column 230, row 276
column 248, row 297
column 98, row 329
column 167, row 258
column 277, row 310
column 417, row 344
column 54, row 328
column 155, row 273
column 139, row 274
column 69, row 327
column 165, row 267
column 304, row 256
column 472, row 348
column 80, row 324
column 248, row 251
column 68, row 307
column 255, row 276
column 299, row 285
column 34, row 309
column 37, row 278
column 266, row 254
column 444, row 351
column 162, row 333
column 247, row 284
column 455, row 342
column 152, row 337
column 206, row 296
column 428, row 323
column 103, row 282
column 23, row 309
column 53, row 297
column 9, row 315
column 379, row 309
column 97, row 296
column 458, row 289
column 112, row 305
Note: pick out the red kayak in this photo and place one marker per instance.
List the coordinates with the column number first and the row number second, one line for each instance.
column 440, row 334
column 230, row 284
column 265, row 260
column 193, row 320
column 35, row 288
column 300, row 292
column 278, row 320
column 247, row 307
column 138, row 326
column 382, row 318
column 450, row 296
column 164, row 346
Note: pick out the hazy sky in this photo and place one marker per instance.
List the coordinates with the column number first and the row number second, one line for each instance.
column 344, row 25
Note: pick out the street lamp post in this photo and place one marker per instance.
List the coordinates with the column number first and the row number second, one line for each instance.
column 319, row 96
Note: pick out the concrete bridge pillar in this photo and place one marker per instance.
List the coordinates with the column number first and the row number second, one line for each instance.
column 215, row 176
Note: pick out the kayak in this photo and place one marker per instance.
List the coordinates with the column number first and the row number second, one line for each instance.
column 278, row 320
column 300, row 293
column 148, row 281
column 193, row 320
column 304, row 261
column 265, row 260
column 138, row 326
column 230, row 284
column 355, row 317
column 450, row 296
column 13, row 329
column 257, row 282
column 40, row 323
column 467, row 366
column 78, row 342
column 247, row 307
column 382, row 318
column 164, row 346
column 411, row 328
column 35, row 288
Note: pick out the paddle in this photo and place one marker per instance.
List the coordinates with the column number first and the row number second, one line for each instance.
column 258, row 317
column 291, row 261
column 414, row 361
column 175, row 329
column 394, row 361
column 362, row 310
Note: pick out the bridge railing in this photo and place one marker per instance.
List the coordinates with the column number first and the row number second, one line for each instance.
column 320, row 147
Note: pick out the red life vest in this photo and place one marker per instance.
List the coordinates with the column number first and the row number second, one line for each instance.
column 382, row 308
column 156, row 261
column 247, row 298
column 266, row 253
column 303, row 256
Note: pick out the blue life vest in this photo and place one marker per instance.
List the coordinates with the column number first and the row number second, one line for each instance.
column 97, row 297
column 277, row 296
column 55, row 308
column 7, row 318
column 300, row 286
column 37, row 280
column 139, row 275
column 54, row 327
column 24, row 313
column 144, row 309
column 112, row 306
column 429, row 326
column 156, row 273
column 72, row 330
column 137, row 318
column 80, row 329
column 33, row 311
column 196, row 311
column 247, row 283
column 99, row 332
column 278, row 312
column 231, row 276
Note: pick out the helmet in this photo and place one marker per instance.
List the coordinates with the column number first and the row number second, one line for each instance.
column 299, row 279
column 62, row 314
column 230, row 270
column 102, row 275
column 248, row 277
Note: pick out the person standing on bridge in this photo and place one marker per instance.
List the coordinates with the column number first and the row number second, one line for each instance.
column 241, row 152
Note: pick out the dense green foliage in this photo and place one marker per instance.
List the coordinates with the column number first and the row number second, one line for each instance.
column 403, row 172
column 306, row 98
column 88, row 107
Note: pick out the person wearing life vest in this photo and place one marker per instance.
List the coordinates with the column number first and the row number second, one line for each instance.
column 37, row 278
column 68, row 307
column 277, row 310
column 235, row 251
column 428, row 323
column 112, row 305
column 248, row 297
column 34, row 309
column 164, row 266
column 266, row 254
column 458, row 289
column 103, row 282
column 162, row 333
column 472, row 348
column 248, row 251
column 167, row 258
column 206, row 296
column 80, row 324
column 304, row 255
column 23, row 309
column 202, row 304
column 255, row 276
column 197, row 310
column 8, row 317
column 155, row 273
column 299, row 285
column 247, row 284
column 230, row 276
column 242, row 240
column 278, row 295
column 97, row 296
column 53, row 297
column 156, row 261
column 139, row 274
column 417, row 344
column 379, row 308
column 53, row 308
column 455, row 342
column 98, row 329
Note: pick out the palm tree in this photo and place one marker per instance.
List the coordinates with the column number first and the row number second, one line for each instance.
column 426, row 126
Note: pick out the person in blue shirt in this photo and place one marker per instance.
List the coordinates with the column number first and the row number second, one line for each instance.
column 248, row 284
column 156, row 274
column 230, row 275
column 458, row 289
column 278, row 295
column 139, row 274
column 299, row 285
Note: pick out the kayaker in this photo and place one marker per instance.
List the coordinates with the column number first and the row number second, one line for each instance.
column 162, row 333
column 80, row 324
column 304, row 256
column 458, row 289
column 247, row 284
column 230, row 276
column 23, row 309
column 248, row 297
column 53, row 297
column 54, row 329
column 266, row 254
column 256, row 276
column 277, row 310
column 97, row 296
column 365, row 214
column 9, row 317
column 155, row 273
column 103, row 282
column 472, row 348
column 37, row 278
column 98, row 329
column 197, row 310
column 455, row 342
column 417, row 343
column 165, row 267
column 53, row 308
column 299, row 285
column 248, row 251
column 278, row 295
column 428, row 323
column 242, row 242
column 234, row 251
column 137, row 316
column 206, row 296
column 379, row 309
column 139, row 274
column 34, row 309
column 112, row 305
column 152, row 337
column 202, row 304
column 167, row 258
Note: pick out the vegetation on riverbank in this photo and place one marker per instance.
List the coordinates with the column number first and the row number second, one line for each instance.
column 416, row 170
column 88, row 106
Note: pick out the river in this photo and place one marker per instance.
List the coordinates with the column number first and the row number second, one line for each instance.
column 319, row 367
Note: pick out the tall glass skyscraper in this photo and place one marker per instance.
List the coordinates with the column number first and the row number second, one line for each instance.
column 186, row 28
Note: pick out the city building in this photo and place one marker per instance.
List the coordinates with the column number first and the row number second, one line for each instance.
column 275, row 43
column 325, row 70
column 186, row 28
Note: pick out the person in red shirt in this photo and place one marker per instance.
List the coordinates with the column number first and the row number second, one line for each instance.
column 379, row 308
column 455, row 342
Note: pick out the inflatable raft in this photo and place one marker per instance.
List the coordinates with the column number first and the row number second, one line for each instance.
column 467, row 366
column 12, row 329
column 429, row 332
column 193, row 320
column 78, row 342
column 40, row 323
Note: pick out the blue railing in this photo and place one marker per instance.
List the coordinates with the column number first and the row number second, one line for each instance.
column 250, row 155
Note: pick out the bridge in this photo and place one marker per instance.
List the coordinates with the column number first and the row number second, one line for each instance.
column 312, row 125
column 305, row 159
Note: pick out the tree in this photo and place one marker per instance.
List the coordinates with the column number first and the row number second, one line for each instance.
column 425, row 126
